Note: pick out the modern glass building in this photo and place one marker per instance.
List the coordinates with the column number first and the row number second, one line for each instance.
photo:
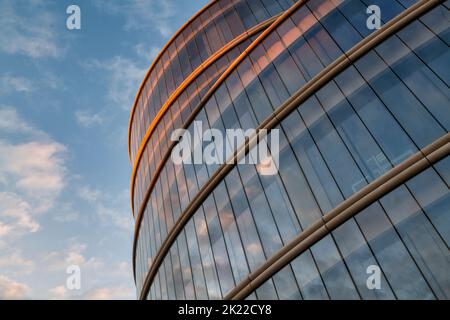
column 359, row 207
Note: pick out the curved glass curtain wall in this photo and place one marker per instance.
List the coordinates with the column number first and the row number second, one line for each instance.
column 175, row 117
column 401, row 233
column 312, row 38
column 208, row 33
column 391, row 103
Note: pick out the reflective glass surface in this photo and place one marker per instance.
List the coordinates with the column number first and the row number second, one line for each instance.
column 373, row 116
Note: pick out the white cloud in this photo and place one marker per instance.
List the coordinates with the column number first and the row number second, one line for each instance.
column 110, row 293
column 67, row 217
column 35, row 168
column 16, row 263
column 146, row 52
column 119, row 218
column 109, row 209
column 10, row 84
column 100, row 279
column 11, row 122
column 15, row 216
column 32, row 32
column 88, row 119
column 32, row 175
column 5, row 229
column 89, row 194
column 124, row 77
column 11, row 290
column 13, row 84
column 50, row 80
column 59, row 293
column 60, row 260
column 66, row 213
column 153, row 15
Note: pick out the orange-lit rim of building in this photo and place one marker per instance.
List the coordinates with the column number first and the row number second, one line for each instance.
column 152, row 66
column 194, row 75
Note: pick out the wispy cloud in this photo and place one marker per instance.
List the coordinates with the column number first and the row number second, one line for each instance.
column 13, row 261
column 152, row 15
column 35, row 169
column 32, row 174
column 16, row 217
column 11, row 122
column 124, row 76
column 66, row 213
column 11, row 290
column 89, row 194
column 31, row 33
column 147, row 52
column 59, row 293
column 60, row 260
column 105, row 279
column 118, row 217
column 10, row 84
column 89, row 119
column 110, row 293
column 107, row 208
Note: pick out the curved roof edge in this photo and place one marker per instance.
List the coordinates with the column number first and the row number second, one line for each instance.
column 155, row 61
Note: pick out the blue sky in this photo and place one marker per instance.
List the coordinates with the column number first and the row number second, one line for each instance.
column 65, row 99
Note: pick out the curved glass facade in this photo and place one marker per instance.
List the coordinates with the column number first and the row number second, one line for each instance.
column 200, row 237
column 209, row 32
column 178, row 113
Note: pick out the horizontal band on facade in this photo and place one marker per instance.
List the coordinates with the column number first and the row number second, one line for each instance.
column 411, row 167
column 304, row 93
column 194, row 75
column 152, row 66
column 199, row 107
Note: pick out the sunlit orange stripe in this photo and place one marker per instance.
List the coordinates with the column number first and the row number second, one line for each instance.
column 167, row 62
column 328, row 73
column 152, row 66
column 273, row 26
column 181, row 89
column 183, row 104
